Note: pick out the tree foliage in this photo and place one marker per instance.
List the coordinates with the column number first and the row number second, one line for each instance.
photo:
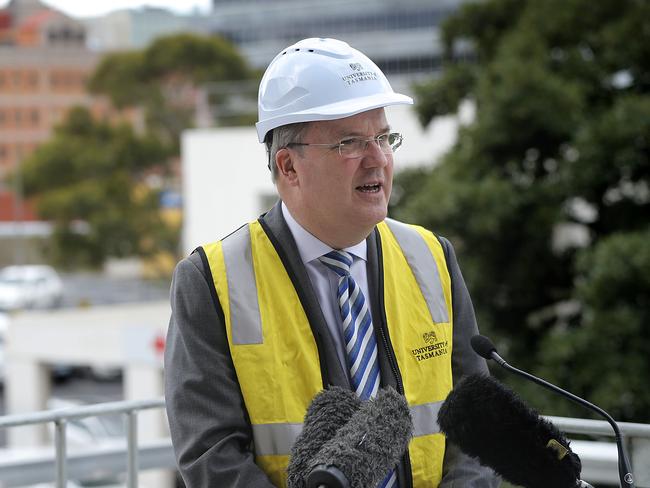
column 546, row 194
column 91, row 177
column 162, row 78
column 89, row 180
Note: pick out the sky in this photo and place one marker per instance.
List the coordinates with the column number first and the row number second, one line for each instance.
column 90, row 8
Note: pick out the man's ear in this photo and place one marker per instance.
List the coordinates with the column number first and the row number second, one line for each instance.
column 285, row 165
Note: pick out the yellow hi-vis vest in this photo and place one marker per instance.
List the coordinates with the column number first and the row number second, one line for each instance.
column 276, row 358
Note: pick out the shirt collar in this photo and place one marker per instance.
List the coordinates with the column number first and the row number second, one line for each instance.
column 310, row 247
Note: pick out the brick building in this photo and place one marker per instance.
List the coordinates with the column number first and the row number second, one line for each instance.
column 44, row 66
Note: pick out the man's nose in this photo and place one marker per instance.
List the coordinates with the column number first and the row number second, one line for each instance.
column 374, row 155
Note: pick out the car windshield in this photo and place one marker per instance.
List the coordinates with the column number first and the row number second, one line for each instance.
column 12, row 281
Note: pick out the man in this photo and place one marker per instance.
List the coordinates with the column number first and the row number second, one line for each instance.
column 321, row 290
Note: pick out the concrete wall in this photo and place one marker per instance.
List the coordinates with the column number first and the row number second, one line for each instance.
column 130, row 336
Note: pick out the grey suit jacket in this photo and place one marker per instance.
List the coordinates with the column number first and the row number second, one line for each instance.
column 210, row 429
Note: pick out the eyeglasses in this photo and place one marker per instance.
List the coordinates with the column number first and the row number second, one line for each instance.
column 354, row 147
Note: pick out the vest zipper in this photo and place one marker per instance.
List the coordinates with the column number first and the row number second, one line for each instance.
column 389, row 352
column 400, row 389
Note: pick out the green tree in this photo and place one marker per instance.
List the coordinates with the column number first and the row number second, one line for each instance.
column 89, row 180
column 162, row 78
column 546, row 193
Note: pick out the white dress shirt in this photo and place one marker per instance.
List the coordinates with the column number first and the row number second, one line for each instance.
column 325, row 281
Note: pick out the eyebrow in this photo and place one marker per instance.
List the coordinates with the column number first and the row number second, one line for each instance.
column 344, row 133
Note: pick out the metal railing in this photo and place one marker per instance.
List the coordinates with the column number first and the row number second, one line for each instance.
column 60, row 419
column 600, row 460
column 159, row 454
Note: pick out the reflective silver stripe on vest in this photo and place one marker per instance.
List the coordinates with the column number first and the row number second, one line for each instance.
column 242, row 290
column 275, row 439
column 425, row 418
column 422, row 263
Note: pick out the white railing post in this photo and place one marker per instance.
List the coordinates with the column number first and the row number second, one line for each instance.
column 61, row 453
column 132, row 448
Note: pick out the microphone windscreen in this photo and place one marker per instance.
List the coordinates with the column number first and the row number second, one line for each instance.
column 490, row 422
column 329, row 411
column 372, row 442
column 482, row 346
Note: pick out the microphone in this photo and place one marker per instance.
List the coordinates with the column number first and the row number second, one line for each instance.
column 329, row 410
column 365, row 449
column 485, row 348
column 488, row 421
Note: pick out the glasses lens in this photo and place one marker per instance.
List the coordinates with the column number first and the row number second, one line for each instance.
column 387, row 142
column 354, row 148
column 384, row 143
column 394, row 141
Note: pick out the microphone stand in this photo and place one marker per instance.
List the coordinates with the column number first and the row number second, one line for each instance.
column 624, row 470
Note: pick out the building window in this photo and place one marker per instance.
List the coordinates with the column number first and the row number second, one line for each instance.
column 66, row 35
column 67, row 80
column 32, row 79
column 34, row 117
column 20, row 151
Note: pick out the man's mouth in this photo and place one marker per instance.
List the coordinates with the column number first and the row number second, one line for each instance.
column 369, row 188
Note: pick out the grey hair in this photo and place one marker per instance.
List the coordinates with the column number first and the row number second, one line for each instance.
column 281, row 137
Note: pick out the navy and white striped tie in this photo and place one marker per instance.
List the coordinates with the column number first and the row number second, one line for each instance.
column 359, row 335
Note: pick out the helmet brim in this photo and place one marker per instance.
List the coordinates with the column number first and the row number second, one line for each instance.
column 333, row 111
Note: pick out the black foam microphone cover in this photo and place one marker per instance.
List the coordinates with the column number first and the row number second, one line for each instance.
column 329, row 411
column 488, row 421
column 371, row 444
column 482, row 346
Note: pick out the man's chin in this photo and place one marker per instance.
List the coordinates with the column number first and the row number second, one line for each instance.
column 373, row 216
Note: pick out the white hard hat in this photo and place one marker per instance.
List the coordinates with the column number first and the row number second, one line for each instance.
column 320, row 79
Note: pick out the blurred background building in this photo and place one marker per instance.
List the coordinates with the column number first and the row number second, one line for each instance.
column 136, row 28
column 47, row 57
column 402, row 38
column 44, row 66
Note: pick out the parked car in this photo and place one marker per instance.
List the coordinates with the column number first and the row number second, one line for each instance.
column 30, row 286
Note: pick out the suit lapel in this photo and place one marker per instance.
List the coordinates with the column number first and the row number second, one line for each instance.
column 278, row 232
